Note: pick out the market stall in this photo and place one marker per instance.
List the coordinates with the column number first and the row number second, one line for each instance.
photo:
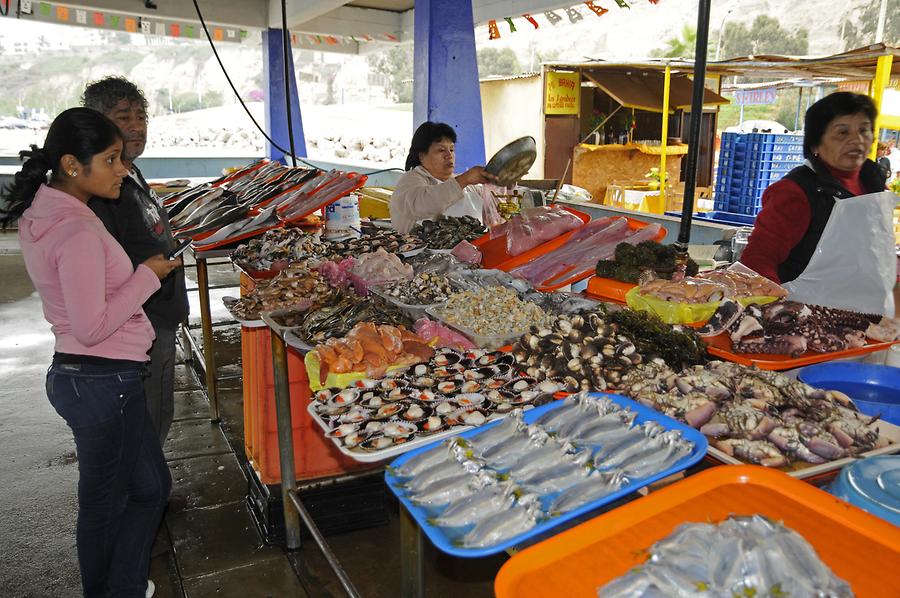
column 503, row 406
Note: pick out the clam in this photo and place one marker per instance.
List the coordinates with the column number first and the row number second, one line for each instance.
column 504, row 407
column 388, row 384
column 355, row 415
column 331, row 408
column 500, row 396
column 373, row 402
column 373, row 427
column 415, row 413
column 475, row 374
column 443, row 373
column 474, row 354
column 487, row 359
column 342, row 430
column 420, row 370
column 433, row 424
column 424, row 382
column 366, row 383
column 354, row 438
column 448, row 387
column 399, row 429
column 376, row 443
column 549, row 386
column 519, row 384
column 445, row 408
column 495, row 383
column 468, row 417
column 324, row 395
column 446, row 358
column 399, row 393
column 503, row 370
column 469, row 400
column 524, row 397
column 429, row 396
column 346, row 397
column 470, row 386
column 505, row 359
column 388, row 410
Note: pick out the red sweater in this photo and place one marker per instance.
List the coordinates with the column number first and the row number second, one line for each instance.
column 783, row 221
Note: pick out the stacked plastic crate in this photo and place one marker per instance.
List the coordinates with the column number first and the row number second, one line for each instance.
column 750, row 162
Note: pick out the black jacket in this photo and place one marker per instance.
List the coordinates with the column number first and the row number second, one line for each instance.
column 821, row 189
column 140, row 224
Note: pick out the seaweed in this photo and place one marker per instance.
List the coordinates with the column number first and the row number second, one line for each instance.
column 607, row 268
column 654, row 338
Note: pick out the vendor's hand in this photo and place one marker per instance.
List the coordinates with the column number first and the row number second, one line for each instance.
column 161, row 265
column 474, row 176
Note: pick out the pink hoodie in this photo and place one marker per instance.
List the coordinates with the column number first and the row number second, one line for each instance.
column 91, row 294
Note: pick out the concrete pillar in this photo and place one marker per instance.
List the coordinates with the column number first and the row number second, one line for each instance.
column 445, row 75
column 276, row 115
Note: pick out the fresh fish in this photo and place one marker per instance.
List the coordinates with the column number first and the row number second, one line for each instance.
column 594, row 430
column 597, row 485
column 510, row 425
column 483, row 504
column 504, row 454
column 628, row 442
column 423, row 461
column 539, row 459
column 548, row 420
column 507, row 524
column 450, row 468
column 453, row 488
column 556, row 479
column 653, row 462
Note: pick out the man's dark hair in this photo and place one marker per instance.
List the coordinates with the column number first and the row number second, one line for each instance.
column 427, row 133
column 104, row 94
column 829, row 108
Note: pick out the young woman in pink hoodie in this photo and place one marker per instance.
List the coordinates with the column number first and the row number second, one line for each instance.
column 92, row 297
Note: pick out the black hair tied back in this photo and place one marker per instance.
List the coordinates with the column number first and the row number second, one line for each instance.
column 33, row 174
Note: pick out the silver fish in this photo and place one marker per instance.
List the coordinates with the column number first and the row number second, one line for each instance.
column 597, row 485
column 423, row 461
column 446, row 469
column 453, row 488
column 555, row 479
column 539, row 459
column 502, row 455
column 510, row 425
column 507, row 524
column 483, row 504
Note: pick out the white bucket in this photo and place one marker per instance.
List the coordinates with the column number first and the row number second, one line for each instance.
column 342, row 218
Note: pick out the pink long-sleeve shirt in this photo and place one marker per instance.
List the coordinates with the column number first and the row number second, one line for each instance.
column 91, row 293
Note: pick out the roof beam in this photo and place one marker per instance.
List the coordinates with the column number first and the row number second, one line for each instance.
column 300, row 11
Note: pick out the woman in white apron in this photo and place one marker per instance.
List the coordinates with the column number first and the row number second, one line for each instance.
column 428, row 188
column 826, row 230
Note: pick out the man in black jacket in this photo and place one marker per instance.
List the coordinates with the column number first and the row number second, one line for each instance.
column 139, row 222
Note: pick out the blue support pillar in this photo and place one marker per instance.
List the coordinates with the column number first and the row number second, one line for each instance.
column 276, row 115
column 445, row 75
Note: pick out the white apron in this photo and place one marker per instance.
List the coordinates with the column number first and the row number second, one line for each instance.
column 854, row 266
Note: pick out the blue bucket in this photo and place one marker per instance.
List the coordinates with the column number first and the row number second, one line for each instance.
column 874, row 388
column 873, row 485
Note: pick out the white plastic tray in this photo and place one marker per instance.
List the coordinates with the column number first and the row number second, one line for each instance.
column 398, row 449
column 484, row 341
column 805, row 471
column 229, row 303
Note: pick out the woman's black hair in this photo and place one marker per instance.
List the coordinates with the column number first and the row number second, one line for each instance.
column 829, row 108
column 81, row 132
column 427, row 133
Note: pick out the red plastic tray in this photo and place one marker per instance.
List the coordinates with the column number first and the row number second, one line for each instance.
column 555, row 283
column 860, row 548
column 495, row 256
column 607, row 289
column 720, row 346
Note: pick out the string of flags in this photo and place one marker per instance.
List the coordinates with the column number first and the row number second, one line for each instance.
column 573, row 13
column 58, row 13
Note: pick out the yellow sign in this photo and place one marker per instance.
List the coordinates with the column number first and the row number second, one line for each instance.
column 563, row 93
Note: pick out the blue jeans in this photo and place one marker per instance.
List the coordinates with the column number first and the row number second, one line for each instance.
column 123, row 482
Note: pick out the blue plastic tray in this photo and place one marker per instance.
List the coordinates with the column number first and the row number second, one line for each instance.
column 874, row 388
column 443, row 538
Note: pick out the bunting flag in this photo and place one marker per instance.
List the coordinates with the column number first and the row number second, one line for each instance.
column 552, row 17
column 493, row 30
column 57, row 12
column 574, row 15
column 598, row 10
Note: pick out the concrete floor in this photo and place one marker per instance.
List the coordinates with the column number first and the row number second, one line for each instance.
column 208, row 545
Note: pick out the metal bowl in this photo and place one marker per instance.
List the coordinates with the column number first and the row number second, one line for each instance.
column 512, row 161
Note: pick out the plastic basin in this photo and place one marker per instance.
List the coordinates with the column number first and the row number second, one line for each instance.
column 874, row 388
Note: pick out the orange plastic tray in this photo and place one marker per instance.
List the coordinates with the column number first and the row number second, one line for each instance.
column 860, row 548
column 495, row 256
column 720, row 346
column 550, row 285
column 608, row 289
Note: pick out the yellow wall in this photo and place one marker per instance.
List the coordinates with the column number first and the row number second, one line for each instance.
column 512, row 109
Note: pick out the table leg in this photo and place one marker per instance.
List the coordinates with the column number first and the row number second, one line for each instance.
column 285, row 440
column 412, row 582
column 209, row 350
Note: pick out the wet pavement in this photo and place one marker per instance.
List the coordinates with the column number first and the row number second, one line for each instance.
column 209, row 545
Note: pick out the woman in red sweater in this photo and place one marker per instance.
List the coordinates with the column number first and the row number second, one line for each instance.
column 838, row 135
